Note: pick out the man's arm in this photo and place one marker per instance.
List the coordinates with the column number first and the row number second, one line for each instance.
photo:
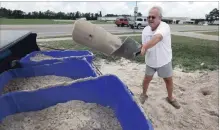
column 155, row 39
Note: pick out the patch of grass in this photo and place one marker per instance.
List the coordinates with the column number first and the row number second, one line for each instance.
column 127, row 33
column 194, row 30
column 191, row 53
column 188, row 53
column 46, row 37
column 211, row 33
column 70, row 45
column 5, row 21
column 62, row 36
column 101, row 22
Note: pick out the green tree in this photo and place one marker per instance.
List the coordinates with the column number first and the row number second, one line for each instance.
column 213, row 15
column 139, row 14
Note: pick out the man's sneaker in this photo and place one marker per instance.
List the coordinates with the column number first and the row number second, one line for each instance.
column 143, row 98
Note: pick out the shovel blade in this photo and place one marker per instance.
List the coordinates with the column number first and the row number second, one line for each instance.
column 129, row 49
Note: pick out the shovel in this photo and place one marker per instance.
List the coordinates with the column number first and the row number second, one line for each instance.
column 97, row 38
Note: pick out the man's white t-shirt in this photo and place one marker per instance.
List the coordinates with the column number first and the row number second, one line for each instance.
column 161, row 53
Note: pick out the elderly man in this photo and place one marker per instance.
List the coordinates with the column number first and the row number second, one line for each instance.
column 156, row 40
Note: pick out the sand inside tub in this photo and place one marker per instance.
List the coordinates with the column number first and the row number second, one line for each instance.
column 72, row 115
column 33, row 83
column 39, row 57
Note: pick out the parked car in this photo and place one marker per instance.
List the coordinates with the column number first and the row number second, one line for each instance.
column 139, row 23
column 121, row 22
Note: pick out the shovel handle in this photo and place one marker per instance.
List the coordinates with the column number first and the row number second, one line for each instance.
column 137, row 53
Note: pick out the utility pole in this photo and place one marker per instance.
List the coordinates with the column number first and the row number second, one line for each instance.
column 135, row 13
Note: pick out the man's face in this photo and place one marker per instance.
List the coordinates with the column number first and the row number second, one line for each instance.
column 154, row 18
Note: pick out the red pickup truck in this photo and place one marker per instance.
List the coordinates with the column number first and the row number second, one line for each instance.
column 121, row 22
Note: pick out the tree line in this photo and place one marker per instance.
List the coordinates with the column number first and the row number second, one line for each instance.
column 7, row 13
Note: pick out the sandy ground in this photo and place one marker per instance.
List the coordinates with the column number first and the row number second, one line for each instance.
column 197, row 93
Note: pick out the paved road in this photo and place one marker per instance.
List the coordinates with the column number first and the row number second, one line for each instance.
column 187, row 34
column 56, row 30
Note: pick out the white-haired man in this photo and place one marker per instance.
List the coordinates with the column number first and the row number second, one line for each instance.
column 156, row 46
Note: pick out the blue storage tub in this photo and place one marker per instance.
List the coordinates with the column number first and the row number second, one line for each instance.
column 105, row 90
column 67, row 68
column 67, row 55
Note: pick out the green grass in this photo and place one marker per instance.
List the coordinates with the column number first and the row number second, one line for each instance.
column 68, row 44
column 101, row 22
column 127, row 33
column 71, row 35
column 46, row 37
column 211, row 33
column 4, row 21
column 188, row 53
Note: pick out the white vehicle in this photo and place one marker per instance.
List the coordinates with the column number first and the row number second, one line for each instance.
column 139, row 23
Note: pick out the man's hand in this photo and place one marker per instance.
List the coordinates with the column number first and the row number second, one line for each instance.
column 143, row 50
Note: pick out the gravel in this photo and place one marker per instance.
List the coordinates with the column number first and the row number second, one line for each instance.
column 33, row 83
column 72, row 115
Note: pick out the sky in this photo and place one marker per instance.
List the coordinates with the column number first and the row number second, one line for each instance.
column 170, row 9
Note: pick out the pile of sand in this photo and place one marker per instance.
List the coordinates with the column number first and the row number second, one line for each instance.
column 34, row 83
column 73, row 115
column 196, row 92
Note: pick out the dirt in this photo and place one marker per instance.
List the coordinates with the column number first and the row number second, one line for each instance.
column 72, row 115
column 197, row 93
column 34, row 83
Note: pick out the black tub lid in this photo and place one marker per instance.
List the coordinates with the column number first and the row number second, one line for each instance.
column 10, row 37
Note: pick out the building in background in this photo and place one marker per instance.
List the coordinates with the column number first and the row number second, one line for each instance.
column 107, row 18
column 169, row 20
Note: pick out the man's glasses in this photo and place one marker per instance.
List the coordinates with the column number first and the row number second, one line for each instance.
column 153, row 17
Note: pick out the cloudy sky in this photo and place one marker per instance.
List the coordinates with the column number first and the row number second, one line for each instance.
column 170, row 9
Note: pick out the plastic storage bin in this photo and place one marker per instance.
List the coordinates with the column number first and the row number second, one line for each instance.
column 105, row 90
column 66, row 68
column 65, row 55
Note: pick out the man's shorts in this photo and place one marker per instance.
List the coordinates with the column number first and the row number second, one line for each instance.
column 163, row 72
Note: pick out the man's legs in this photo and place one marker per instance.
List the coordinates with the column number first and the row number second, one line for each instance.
column 165, row 72
column 170, row 98
column 169, row 86
column 146, row 83
column 149, row 72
